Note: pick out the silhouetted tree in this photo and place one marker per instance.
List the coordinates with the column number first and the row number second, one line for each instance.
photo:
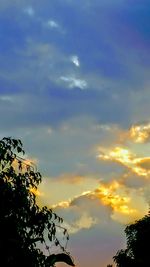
column 26, row 230
column 137, row 253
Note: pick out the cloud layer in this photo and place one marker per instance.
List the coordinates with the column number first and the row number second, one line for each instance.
column 74, row 86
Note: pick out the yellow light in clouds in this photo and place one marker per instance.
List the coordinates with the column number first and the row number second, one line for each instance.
column 62, row 204
column 140, row 133
column 122, row 155
column 127, row 204
column 126, row 158
column 66, row 204
column 117, row 200
column 119, row 154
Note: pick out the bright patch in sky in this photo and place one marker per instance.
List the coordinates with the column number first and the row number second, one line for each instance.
column 75, row 61
column 140, row 133
column 74, row 82
column 52, row 24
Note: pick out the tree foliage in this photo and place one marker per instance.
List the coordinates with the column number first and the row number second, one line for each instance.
column 136, row 253
column 26, row 230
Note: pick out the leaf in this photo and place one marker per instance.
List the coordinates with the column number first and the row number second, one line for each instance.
column 65, row 231
column 19, row 149
column 20, row 165
column 62, row 257
column 56, row 242
column 49, row 237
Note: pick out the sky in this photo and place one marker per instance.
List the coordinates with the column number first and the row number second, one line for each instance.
column 75, row 88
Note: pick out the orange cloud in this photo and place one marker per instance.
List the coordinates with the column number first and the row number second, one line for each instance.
column 68, row 203
column 118, row 201
column 144, row 163
column 140, row 133
column 122, row 200
column 128, row 159
column 126, row 204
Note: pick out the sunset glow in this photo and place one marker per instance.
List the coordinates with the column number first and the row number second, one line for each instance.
column 74, row 87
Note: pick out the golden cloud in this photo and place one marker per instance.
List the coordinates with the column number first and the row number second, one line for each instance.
column 107, row 193
column 144, row 163
column 122, row 200
column 125, row 157
column 140, row 133
column 68, row 203
column 62, row 204
column 125, row 204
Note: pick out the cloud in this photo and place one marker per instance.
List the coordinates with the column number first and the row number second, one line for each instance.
column 94, row 208
column 63, row 128
column 29, row 11
column 82, row 212
column 123, row 201
column 119, row 196
column 84, row 222
column 120, row 200
column 114, row 200
column 75, row 60
column 7, row 98
column 52, row 24
column 140, row 133
column 124, row 152
column 74, row 82
column 144, row 163
column 71, row 185
column 125, row 157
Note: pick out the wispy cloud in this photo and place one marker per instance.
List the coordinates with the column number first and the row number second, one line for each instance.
column 73, row 82
column 125, row 157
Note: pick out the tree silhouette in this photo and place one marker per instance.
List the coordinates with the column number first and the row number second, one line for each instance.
column 26, row 230
column 137, row 252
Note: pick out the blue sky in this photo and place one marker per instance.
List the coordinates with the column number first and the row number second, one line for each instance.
column 74, row 86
